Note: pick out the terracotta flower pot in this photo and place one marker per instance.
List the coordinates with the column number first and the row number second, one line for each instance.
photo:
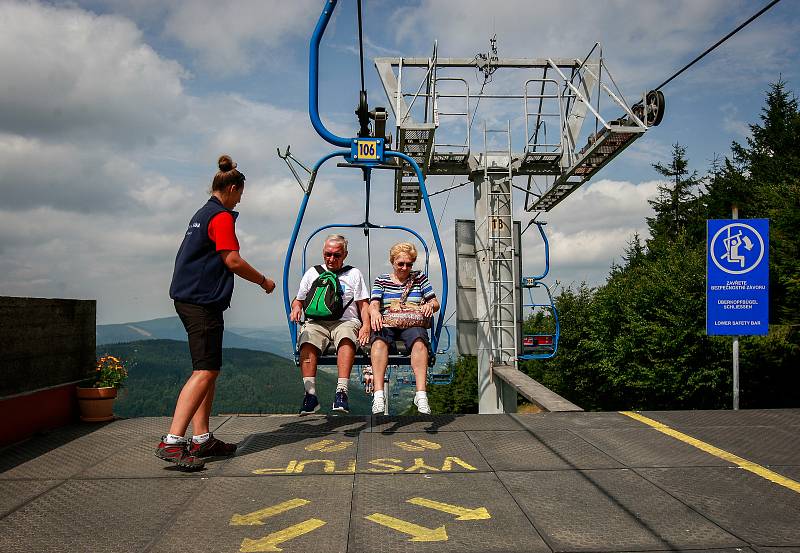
column 97, row 404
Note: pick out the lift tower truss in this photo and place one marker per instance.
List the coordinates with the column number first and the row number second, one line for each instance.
column 575, row 120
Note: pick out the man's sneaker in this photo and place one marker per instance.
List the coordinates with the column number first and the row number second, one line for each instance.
column 212, row 447
column 422, row 405
column 340, row 402
column 178, row 454
column 310, row 404
column 378, row 405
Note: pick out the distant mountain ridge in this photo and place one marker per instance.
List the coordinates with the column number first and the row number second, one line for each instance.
column 271, row 340
column 250, row 381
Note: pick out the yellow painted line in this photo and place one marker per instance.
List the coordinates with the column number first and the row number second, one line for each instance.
column 418, row 533
column 463, row 513
column 717, row 452
column 270, row 542
column 257, row 517
column 417, row 445
column 328, row 446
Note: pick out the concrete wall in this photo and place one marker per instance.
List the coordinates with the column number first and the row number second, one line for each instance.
column 46, row 347
column 44, row 343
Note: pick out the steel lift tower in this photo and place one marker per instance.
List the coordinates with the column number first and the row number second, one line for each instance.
column 575, row 121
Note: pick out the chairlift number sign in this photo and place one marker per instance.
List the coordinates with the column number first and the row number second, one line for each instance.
column 367, row 149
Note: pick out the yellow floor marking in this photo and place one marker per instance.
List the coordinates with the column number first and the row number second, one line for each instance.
column 419, row 533
column 257, row 517
column 270, row 542
column 288, row 470
column 479, row 513
column 448, row 463
column 328, row 446
column 417, row 445
column 717, row 452
column 419, row 464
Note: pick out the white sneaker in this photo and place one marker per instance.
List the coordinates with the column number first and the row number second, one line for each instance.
column 422, row 405
column 378, row 405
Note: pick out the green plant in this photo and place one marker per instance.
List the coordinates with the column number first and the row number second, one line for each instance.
column 109, row 372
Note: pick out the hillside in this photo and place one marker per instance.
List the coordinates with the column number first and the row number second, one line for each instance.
column 274, row 340
column 250, row 381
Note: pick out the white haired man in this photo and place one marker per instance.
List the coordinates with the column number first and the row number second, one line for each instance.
column 344, row 333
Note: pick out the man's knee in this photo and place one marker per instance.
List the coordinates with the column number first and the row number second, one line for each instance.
column 346, row 345
column 309, row 354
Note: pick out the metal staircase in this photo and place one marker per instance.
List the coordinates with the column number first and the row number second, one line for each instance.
column 416, row 141
column 499, row 224
column 601, row 148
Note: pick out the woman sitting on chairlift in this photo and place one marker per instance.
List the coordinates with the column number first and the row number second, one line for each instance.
column 387, row 293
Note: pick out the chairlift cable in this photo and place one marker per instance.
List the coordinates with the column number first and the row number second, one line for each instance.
column 719, row 42
column 361, row 45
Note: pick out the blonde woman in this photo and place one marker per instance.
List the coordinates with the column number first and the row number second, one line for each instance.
column 388, row 287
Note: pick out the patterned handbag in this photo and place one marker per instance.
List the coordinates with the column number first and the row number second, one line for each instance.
column 400, row 314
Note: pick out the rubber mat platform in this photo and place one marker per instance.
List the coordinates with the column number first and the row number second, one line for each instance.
column 717, row 481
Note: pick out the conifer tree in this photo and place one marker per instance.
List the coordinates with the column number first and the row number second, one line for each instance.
column 676, row 208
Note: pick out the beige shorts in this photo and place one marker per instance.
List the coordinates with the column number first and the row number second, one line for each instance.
column 321, row 333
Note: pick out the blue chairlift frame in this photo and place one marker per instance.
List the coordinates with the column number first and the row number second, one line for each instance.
column 350, row 156
column 530, row 283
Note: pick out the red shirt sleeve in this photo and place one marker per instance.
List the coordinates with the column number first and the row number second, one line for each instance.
column 221, row 231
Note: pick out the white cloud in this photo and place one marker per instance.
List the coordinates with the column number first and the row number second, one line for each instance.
column 73, row 75
column 731, row 121
column 231, row 36
column 642, row 39
column 590, row 230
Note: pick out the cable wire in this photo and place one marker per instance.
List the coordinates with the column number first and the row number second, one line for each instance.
column 361, row 45
column 720, row 41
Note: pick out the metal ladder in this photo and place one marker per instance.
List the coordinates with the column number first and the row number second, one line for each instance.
column 500, row 225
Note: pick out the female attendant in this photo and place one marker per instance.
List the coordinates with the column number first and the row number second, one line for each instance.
column 202, row 286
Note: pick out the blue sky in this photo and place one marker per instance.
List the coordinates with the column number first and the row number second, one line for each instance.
column 112, row 115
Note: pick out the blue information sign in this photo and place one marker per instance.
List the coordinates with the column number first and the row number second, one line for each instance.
column 737, row 276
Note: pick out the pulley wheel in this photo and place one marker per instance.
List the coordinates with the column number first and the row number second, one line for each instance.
column 655, row 107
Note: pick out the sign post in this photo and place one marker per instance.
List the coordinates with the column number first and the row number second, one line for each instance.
column 737, row 282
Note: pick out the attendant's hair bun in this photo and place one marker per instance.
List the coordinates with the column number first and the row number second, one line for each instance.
column 226, row 163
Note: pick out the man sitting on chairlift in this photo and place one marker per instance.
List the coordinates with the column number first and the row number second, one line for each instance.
column 316, row 335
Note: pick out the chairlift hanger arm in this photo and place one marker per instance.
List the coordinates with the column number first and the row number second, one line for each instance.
column 313, row 78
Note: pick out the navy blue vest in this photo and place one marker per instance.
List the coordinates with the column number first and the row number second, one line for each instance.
column 200, row 276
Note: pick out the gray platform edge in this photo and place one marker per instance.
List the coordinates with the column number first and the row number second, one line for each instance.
column 533, row 391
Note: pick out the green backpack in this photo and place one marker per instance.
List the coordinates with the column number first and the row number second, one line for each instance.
column 324, row 300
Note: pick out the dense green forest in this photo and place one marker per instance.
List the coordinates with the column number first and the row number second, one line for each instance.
column 639, row 341
column 250, row 381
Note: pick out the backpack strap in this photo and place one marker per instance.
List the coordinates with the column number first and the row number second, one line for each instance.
column 341, row 271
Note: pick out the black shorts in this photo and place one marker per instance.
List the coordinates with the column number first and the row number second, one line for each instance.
column 204, row 327
column 390, row 335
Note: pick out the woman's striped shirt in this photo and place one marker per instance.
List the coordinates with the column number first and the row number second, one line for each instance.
column 385, row 290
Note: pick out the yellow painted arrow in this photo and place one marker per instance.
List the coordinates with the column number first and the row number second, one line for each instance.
column 270, row 543
column 463, row 513
column 419, row 533
column 256, row 518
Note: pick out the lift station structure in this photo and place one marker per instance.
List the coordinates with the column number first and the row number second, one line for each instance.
column 575, row 120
